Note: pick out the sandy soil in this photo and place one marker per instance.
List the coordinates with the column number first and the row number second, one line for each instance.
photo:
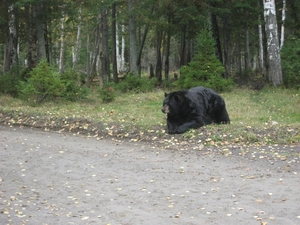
column 52, row 178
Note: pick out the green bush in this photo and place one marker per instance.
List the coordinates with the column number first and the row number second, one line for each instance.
column 9, row 81
column 205, row 69
column 42, row 84
column 73, row 88
column 290, row 55
column 107, row 93
column 136, row 84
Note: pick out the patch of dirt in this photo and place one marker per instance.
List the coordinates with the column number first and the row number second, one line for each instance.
column 62, row 178
column 198, row 140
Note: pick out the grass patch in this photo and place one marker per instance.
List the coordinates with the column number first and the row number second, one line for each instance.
column 270, row 116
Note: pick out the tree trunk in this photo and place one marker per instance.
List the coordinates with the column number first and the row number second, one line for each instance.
column 88, row 70
column 139, row 57
column 62, row 46
column 40, row 29
column 273, row 49
column 227, row 47
column 238, row 56
column 261, row 47
column 13, row 37
column 114, row 44
column 104, row 55
column 32, row 52
column 247, row 49
column 282, row 23
column 120, row 55
column 216, row 35
column 132, row 39
column 167, row 60
column 183, row 60
column 96, row 50
column 78, row 43
column 158, row 68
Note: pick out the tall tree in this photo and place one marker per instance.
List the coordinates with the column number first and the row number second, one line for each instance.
column 76, row 52
column 62, row 45
column 282, row 23
column 158, row 67
column 273, row 48
column 104, row 51
column 31, row 37
column 41, row 9
column 13, row 37
column 114, row 42
column 132, row 37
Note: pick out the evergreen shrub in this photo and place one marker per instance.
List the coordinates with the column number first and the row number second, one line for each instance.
column 107, row 93
column 43, row 84
column 9, row 82
column 73, row 86
column 205, row 69
column 136, row 83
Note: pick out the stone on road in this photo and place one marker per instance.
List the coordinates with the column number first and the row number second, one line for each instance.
column 52, row 178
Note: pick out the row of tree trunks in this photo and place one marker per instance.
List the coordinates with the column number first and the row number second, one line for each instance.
column 39, row 42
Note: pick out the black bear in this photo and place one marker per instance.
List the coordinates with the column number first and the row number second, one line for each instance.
column 193, row 108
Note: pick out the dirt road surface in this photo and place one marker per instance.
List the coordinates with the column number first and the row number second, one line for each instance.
column 51, row 178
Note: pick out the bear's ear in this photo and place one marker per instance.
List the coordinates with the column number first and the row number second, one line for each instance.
column 166, row 94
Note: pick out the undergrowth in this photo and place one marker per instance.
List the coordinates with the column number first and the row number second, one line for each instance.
column 267, row 117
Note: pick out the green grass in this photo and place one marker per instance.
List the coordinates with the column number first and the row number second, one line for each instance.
column 266, row 117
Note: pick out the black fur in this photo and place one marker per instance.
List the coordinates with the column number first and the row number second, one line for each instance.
column 193, row 108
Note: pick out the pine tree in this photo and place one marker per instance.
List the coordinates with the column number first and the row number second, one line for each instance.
column 205, row 69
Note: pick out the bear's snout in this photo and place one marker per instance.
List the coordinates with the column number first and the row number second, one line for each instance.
column 165, row 109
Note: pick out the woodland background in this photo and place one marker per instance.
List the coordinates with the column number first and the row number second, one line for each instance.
column 101, row 40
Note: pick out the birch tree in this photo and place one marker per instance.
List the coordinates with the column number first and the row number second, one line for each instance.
column 273, row 49
column 62, row 46
column 282, row 23
column 114, row 43
column 261, row 47
column 120, row 55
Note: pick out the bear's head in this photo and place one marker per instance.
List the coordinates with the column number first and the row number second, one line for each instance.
column 174, row 103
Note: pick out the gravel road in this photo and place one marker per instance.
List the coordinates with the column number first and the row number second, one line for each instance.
column 52, row 178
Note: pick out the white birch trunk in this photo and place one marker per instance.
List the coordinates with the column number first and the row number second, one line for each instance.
column 122, row 65
column 62, row 46
column 273, row 48
column 282, row 24
column 117, row 48
column 78, row 43
column 120, row 55
column 261, row 47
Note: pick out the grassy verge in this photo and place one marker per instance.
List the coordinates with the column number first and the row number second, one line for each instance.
column 271, row 116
